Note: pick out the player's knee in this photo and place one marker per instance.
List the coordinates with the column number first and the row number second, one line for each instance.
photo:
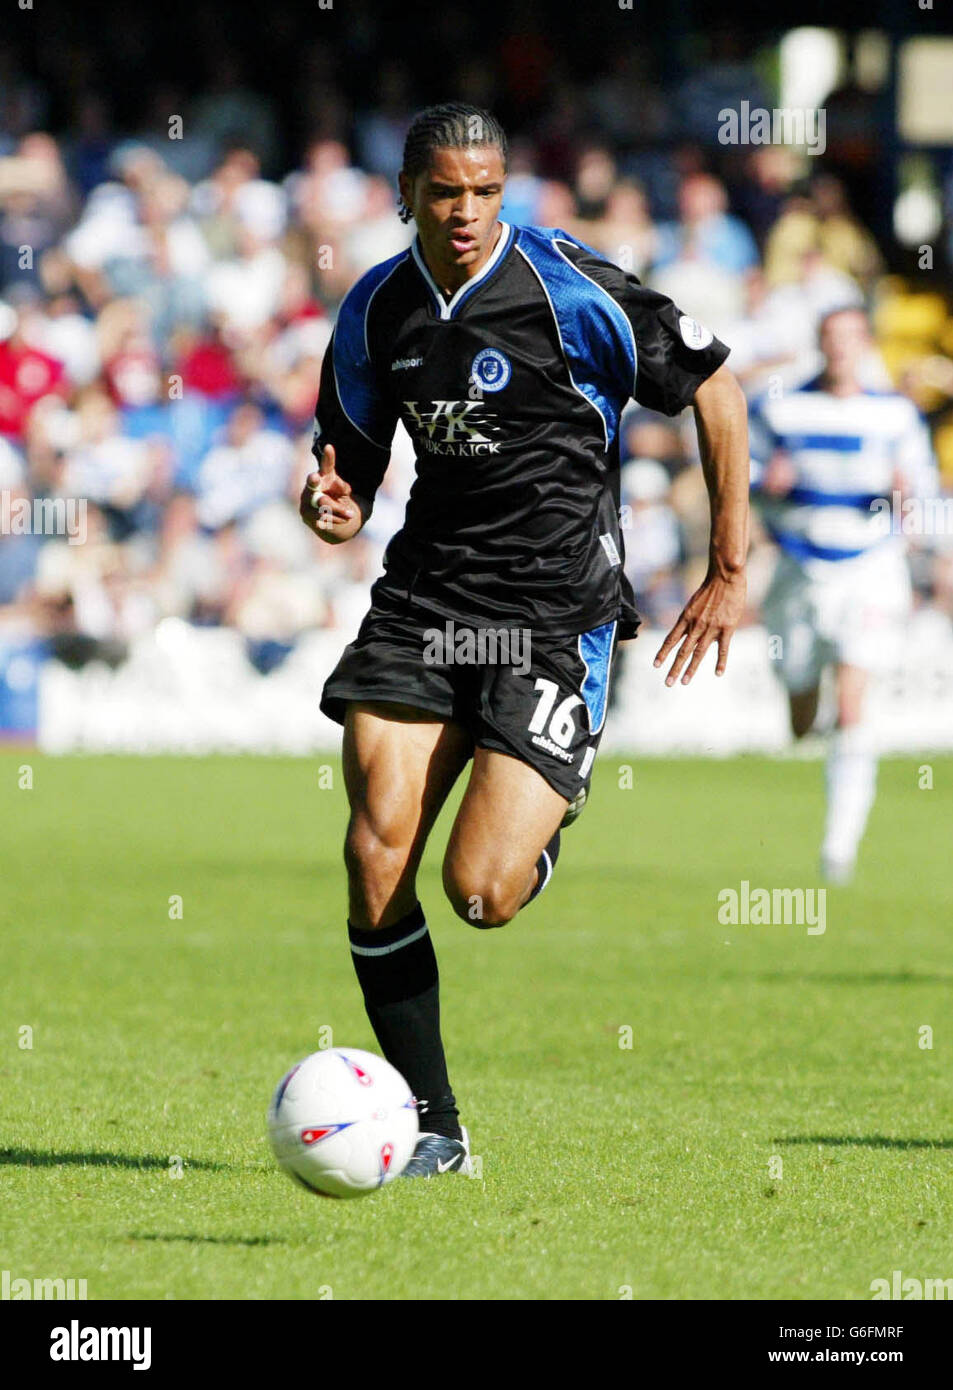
column 480, row 900
column 490, row 908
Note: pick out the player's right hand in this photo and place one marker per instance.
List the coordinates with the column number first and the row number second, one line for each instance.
column 327, row 507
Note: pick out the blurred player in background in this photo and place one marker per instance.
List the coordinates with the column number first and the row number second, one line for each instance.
column 828, row 459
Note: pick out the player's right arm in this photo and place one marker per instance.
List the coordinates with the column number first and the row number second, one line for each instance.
column 328, row 506
column 354, row 427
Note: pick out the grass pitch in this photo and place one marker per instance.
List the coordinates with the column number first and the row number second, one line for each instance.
column 777, row 1127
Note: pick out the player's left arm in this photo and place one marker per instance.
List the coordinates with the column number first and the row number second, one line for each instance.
column 715, row 609
column 666, row 361
column 915, row 469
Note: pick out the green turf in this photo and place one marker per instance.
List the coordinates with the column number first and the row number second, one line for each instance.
column 604, row 1168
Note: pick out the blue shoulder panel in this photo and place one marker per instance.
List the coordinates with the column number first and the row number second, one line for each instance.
column 595, row 332
column 353, row 373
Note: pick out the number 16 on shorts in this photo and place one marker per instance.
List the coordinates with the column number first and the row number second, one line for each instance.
column 561, row 725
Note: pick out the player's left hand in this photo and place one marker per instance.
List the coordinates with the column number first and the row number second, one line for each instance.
column 710, row 615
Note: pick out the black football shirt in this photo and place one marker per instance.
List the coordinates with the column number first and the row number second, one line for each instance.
column 512, row 392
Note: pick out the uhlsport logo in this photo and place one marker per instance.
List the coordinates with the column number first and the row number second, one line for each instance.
column 491, row 370
column 460, row 429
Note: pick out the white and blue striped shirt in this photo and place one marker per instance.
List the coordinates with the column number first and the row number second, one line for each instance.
column 848, row 452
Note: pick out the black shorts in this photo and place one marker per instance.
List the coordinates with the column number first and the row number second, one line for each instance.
column 540, row 699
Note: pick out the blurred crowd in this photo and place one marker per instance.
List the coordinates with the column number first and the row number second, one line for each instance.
column 167, row 295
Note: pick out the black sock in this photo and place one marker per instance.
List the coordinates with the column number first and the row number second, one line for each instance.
column 544, row 866
column 397, row 971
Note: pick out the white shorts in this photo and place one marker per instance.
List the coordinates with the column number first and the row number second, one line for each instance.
column 844, row 612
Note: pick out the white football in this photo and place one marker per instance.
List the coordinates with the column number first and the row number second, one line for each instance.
column 343, row 1122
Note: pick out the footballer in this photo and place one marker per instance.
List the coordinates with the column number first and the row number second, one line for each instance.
column 509, row 355
column 824, row 457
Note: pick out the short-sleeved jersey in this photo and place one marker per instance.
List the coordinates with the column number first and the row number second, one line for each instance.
column 849, row 454
column 512, row 392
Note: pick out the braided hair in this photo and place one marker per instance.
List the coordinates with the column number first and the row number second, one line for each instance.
column 453, row 125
